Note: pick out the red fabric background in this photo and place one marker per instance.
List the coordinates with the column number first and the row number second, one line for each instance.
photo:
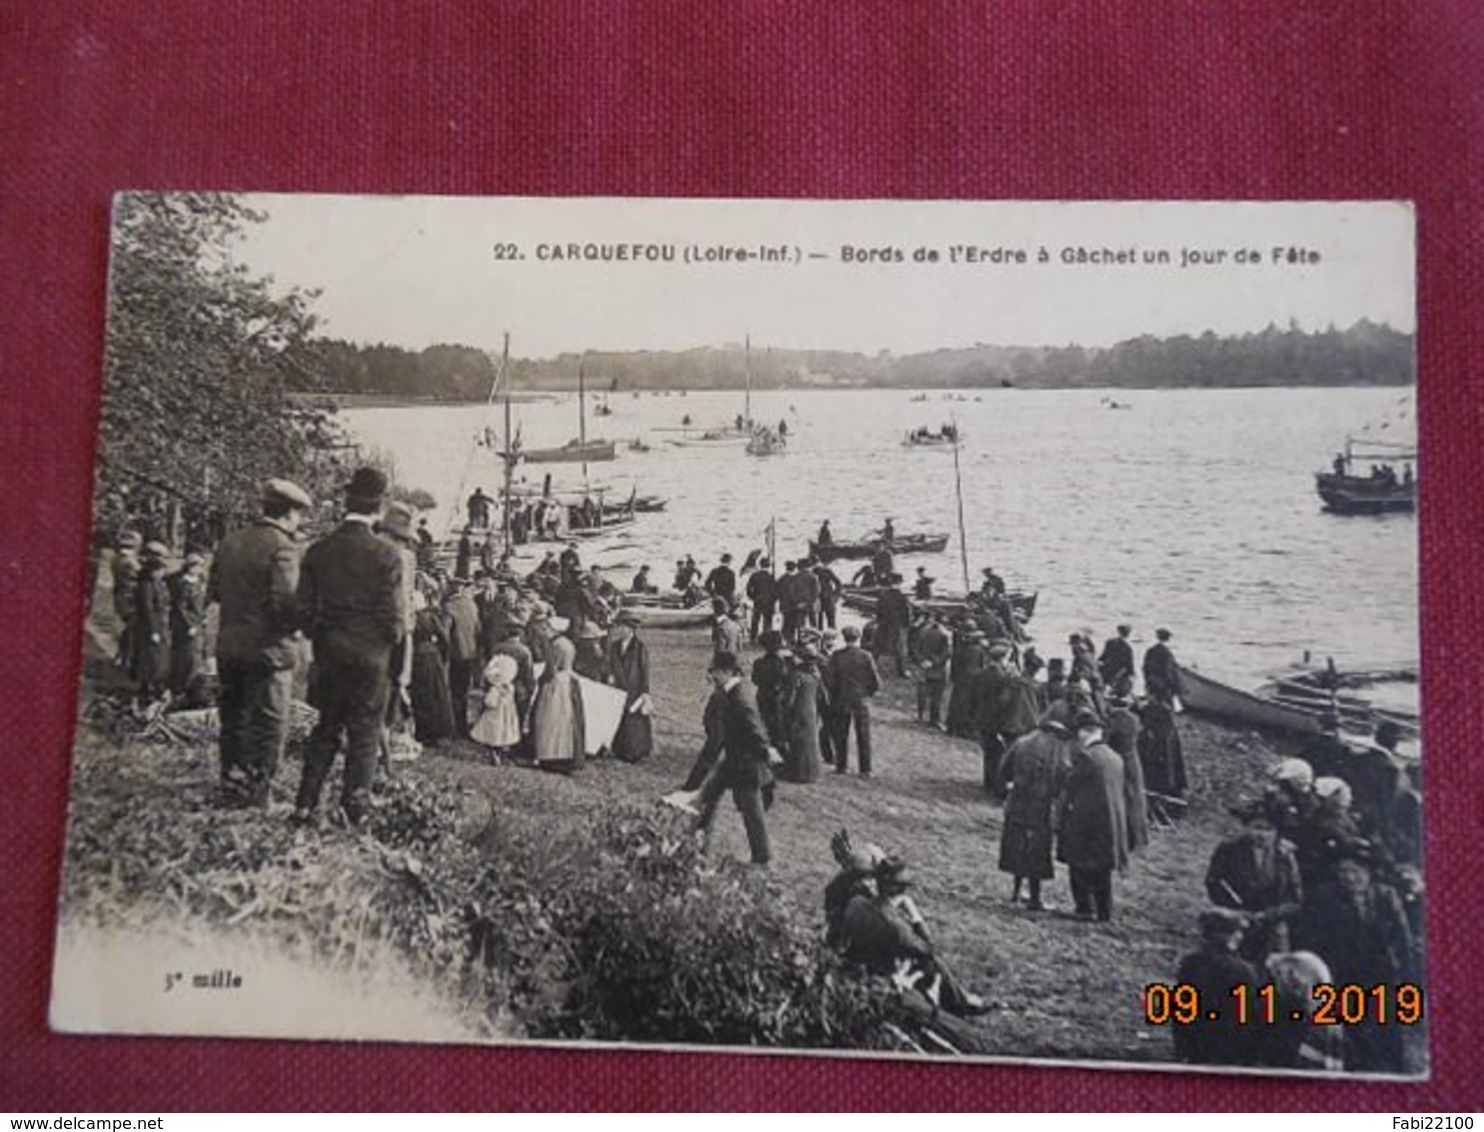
column 916, row 100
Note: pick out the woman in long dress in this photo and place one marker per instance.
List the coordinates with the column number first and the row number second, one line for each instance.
column 432, row 705
column 559, row 726
column 805, row 704
column 628, row 667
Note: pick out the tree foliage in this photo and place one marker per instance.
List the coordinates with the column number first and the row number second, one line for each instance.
column 201, row 355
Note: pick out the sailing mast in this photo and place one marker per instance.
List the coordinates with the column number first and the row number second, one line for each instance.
column 509, row 454
column 747, row 400
column 582, row 422
column 958, row 486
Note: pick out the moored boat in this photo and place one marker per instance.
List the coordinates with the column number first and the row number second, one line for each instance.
column 901, row 544
column 862, row 599
column 945, row 438
column 1269, row 707
column 573, row 452
column 1380, row 489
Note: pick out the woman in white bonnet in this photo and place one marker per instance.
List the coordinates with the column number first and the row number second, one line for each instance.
column 498, row 726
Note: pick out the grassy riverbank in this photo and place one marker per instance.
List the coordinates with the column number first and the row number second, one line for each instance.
column 147, row 851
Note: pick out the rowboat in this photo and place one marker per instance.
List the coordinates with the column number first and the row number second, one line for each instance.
column 1379, row 490
column 663, row 612
column 944, row 440
column 901, row 544
column 1268, row 708
column 765, row 442
column 862, row 599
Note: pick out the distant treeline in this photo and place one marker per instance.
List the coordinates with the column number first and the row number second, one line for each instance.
column 1364, row 354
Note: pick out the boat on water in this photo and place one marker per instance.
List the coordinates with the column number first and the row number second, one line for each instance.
column 638, row 445
column 944, row 438
column 1363, row 479
column 1276, row 708
column 900, row 544
column 862, row 599
column 573, row 452
column 663, row 615
column 766, row 442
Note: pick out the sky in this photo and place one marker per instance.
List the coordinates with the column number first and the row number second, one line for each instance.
column 416, row 271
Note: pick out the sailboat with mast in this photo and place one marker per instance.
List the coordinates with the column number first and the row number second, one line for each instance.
column 738, row 431
column 578, row 450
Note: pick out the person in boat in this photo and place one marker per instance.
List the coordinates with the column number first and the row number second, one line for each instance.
column 829, row 592
column 762, row 593
column 1161, row 670
column 722, row 581
column 1031, row 779
column 883, row 563
column 628, row 668
column 782, row 428
column 1093, row 837
column 1116, row 663
column 852, row 680
column 826, row 538
column 865, row 577
column 478, row 509
column 922, row 588
column 741, row 422
column 993, row 586
column 888, row 531
column 641, row 583
column 1340, row 465
column 1408, row 477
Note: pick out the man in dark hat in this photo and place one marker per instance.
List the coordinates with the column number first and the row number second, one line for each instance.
column 762, row 592
column 932, row 653
column 830, row 588
column 478, row 508
column 124, row 572
column 722, row 581
column 1215, row 971
column 993, row 586
column 464, row 652
column 1327, row 753
column 1161, row 671
column 922, row 588
column 1116, row 663
column 351, row 602
column 851, row 679
column 254, row 578
column 893, row 618
column 1093, row 837
column 790, row 601
column 745, row 765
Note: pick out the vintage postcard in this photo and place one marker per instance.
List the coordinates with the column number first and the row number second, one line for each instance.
column 917, row 629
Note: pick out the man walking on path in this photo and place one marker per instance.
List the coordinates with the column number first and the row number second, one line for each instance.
column 746, row 757
column 350, row 601
column 852, row 680
column 254, row 578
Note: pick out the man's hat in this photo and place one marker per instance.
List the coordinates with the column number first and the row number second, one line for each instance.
column 893, row 870
column 129, row 539
column 1086, row 717
column 628, row 617
column 850, row 633
column 287, row 491
column 1221, row 923
column 987, row 571
column 157, row 550
column 1163, row 634
column 367, row 486
column 726, row 557
column 397, row 520
column 724, row 661
column 1125, row 630
column 1338, row 788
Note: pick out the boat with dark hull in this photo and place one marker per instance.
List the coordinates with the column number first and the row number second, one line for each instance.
column 573, row 452
column 862, row 599
column 1283, row 705
column 901, row 544
column 1380, row 489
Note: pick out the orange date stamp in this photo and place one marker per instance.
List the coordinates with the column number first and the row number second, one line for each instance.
column 1333, row 1004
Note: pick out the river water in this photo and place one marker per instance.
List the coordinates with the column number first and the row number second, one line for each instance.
column 1192, row 509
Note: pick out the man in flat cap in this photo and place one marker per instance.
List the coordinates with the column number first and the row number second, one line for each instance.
column 1161, row 671
column 1116, row 664
column 350, row 602
column 1216, row 1036
column 124, row 573
column 254, row 577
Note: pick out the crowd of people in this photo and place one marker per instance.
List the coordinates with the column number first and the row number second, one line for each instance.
column 1320, row 885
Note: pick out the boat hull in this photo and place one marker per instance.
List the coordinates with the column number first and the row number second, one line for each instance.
column 1209, row 697
column 1361, row 495
column 909, row 544
column 863, row 600
column 592, row 452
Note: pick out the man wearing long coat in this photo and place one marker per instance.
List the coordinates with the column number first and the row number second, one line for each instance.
column 351, row 601
column 254, row 578
column 744, row 767
column 1093, row 838
column 1032, row 776
column 628, row 668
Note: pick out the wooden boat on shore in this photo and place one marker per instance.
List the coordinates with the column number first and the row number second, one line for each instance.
column 862, row 599
column 901, row 544
column 668, row 610
column 1271, row 708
